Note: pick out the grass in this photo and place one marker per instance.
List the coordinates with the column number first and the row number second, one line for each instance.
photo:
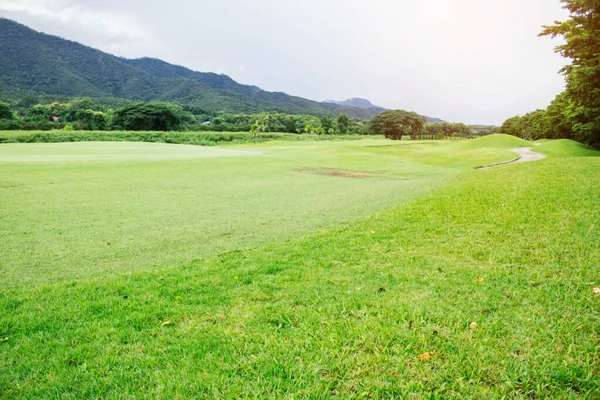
column 566, row 148
column 342, row 312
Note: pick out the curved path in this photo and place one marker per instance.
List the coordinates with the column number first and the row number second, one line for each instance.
column 525, row 155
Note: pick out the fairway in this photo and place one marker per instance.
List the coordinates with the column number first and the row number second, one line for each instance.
column 110, row 151
column 82, row 210
column 347, row 269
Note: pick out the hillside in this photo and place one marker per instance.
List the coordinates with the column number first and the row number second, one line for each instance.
column 36, row 63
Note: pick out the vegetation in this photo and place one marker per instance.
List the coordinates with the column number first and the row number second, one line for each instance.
column 5, row 112
column 477, row 289
column 575, row 113
column 192, row 138
column 31, row 113
column 394, row 124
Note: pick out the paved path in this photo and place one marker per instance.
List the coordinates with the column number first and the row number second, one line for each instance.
column 525, row 155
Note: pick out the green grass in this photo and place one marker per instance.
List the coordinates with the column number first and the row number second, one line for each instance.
column 341, row 312
column 566, row 148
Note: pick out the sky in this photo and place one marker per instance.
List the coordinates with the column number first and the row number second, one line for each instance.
column 472, row 61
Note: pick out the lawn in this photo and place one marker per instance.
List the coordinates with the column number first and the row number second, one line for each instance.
column 365, row 269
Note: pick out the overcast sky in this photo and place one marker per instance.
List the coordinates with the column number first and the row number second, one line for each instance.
column 475, row 61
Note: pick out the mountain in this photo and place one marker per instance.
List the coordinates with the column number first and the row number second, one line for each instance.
column 367, row 105
column 355, row 102
column 432, row 119
column 36, row 63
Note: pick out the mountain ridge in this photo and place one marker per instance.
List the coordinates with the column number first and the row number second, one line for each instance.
column 366, row 104
column 33, row 62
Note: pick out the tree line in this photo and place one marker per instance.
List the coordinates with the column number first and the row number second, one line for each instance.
column 396, row 124
column 574, row 113
column 87, row 114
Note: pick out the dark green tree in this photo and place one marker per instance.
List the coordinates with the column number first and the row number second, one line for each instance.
column 394, row 124
column 5, row 111
column 581, row 34
column 327, row 124
column 150, row 117
column 342, row 124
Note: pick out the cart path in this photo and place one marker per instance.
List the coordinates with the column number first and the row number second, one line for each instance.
column 525, row 155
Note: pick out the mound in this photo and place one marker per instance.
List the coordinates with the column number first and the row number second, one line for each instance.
column 566, row 148
column 500, row 141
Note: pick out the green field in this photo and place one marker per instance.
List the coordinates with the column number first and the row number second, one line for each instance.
column 299, row 270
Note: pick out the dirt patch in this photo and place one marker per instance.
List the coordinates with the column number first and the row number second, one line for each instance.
column 341, row 173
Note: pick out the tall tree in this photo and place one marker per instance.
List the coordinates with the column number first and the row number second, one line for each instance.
column 394, row 124
column 581, row 33
column 5, row 111
column 327, row 124
column 343, row 124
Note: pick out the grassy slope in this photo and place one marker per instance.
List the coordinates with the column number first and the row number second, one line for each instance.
column 308, row 316
column 565, row 148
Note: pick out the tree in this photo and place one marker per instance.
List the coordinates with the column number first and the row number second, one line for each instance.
column 254, row 131
column 99, row 121
column 342, row 124
column 581, row 33
column 327, row 124
column 5, row 111
column 150, row 117
column 394, row 124
column 309, row 128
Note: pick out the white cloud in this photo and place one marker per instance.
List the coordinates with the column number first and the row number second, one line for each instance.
column 110, row 30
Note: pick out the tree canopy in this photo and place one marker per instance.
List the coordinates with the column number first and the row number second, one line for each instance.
column 575, row 113
column 150, row 117
column 581, row 33
column 5, row 111
column 394, row 124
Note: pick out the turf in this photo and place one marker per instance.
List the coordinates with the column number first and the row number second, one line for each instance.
column 75, row 210
column 566, row 148
column 347, row 311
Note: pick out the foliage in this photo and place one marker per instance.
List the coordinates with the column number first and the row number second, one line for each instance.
column 394, row 124
column 193, row 138
column 575, row 113
column 445, row 130
column 327, row 124
column 150, row 117
column 581, row 35
column 5, row 111
column 342, row 124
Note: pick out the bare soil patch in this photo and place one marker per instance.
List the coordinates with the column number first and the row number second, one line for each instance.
column 341, row 173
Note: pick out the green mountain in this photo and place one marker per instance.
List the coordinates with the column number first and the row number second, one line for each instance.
column 35, row 63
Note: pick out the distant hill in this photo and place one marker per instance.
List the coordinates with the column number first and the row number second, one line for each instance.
column 367, row 105
column 355, row 102
column 35, row 63
column 432, row 119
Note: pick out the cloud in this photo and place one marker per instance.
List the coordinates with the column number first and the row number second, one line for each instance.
column 109, row 30
column 460, row 60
